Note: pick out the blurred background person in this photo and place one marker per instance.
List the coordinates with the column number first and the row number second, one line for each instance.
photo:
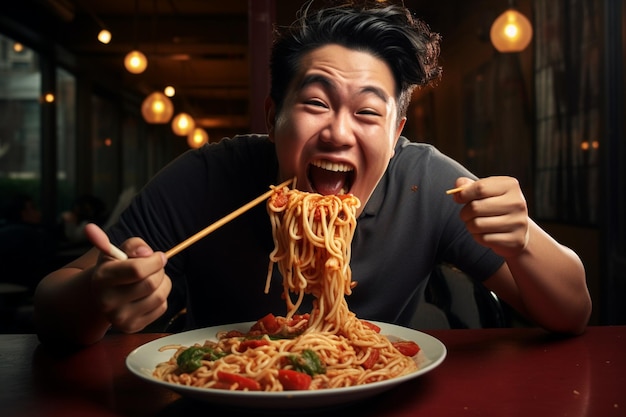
column 85, row 209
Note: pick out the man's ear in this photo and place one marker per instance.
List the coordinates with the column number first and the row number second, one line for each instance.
column 270, row 117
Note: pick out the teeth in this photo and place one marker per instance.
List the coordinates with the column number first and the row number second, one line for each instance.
column 333, row 166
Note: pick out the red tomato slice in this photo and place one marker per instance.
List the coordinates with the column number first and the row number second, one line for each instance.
column 294, row 380
column 372, row 358
column 241, row 381
column 406, row 347
column 252, row 344
column 371, row 326
column 234, row 333
column 267, row 324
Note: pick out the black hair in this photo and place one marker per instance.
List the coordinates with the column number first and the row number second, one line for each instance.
column 387, row 31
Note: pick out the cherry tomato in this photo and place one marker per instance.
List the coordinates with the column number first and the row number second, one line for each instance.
column 234, row 333
column 406, row 347
column 372, row 358
column 267, row 324
column 294, row 380
column 370, row 326
column 252, row 344
column 241, row 381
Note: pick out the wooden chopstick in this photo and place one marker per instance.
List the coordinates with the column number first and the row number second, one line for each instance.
column 212, row 227
column 455, row 190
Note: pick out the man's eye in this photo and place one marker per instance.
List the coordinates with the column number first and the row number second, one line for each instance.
column 369, row 112
column 318, row 103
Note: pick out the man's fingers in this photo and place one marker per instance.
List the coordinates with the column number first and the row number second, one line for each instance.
column 101, row 241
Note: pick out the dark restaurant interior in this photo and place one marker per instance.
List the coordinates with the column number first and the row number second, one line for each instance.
column 75, row 140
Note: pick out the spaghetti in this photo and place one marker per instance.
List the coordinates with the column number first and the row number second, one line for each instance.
column 326, row 348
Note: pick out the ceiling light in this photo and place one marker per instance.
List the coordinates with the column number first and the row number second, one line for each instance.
column 135, row 62
column 511, row 31
column 183, row 124
column 104, row 36
column 169, row 91
column 157, row 108
column 197, row 138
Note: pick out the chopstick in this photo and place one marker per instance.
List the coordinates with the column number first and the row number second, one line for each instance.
column 100, row 240
column 455, row 190
column 117, row 253
column 212, row 227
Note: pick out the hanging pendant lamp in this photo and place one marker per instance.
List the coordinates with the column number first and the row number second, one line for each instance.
column 135, row 62
column 511, row 31
column 157, row 108
column 197, row 138
column 104, row 36
column 183, row 124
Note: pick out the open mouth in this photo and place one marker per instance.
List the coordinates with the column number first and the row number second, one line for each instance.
column 328, row 177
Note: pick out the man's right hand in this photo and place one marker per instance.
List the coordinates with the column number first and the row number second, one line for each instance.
column 130, row 293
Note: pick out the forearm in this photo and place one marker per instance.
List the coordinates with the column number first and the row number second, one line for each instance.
column 65, row 311
column 551, row 282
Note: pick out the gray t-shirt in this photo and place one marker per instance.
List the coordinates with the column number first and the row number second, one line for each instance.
column 407, row 227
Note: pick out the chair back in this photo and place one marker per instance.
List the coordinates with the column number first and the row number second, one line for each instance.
column 454, row 300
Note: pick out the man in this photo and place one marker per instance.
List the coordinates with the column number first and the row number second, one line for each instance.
column 342, row 78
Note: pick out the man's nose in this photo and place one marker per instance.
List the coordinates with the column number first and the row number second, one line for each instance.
column 340, row 131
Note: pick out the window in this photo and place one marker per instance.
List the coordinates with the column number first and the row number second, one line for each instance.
column 568, row 117
column 66, row 138
column 20, row 142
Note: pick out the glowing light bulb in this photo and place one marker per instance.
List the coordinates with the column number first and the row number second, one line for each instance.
column 511, row 32
column 157, row 108
column 169, row 91
column 135, row 62
column 183, row 124
column 197, row 138
column 104, row 36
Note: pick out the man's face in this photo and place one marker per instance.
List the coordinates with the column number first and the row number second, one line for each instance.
column 338, row 125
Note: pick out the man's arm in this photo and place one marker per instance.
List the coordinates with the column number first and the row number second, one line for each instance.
column 78, row 303
column 65, row 310
column 546, row 283
column 541, row 278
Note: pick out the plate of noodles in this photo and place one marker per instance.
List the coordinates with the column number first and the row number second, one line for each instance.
column 144, row 360
column 323, row 358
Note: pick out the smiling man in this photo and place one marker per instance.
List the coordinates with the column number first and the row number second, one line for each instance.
column 342, row 78
column 339, row 124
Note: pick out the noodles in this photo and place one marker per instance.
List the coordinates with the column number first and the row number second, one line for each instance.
column 312, row 236
column 326, row 348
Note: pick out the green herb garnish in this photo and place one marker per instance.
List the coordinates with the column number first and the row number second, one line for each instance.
column 308, row 362
column 191, row 358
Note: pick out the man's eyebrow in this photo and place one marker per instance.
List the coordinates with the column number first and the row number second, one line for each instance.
column 314, row 79
column 326, row 82
column 379, row 92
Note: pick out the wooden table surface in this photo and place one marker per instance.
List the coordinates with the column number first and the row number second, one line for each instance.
column 487, row 372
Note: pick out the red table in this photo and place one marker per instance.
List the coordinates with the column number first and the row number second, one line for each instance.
column 491, row 372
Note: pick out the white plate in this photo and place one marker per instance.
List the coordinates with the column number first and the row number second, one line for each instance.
column 144, row 359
